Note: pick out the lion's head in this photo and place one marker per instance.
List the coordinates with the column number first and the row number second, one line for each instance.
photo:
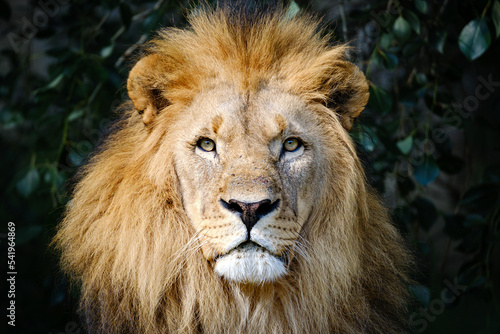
column 231, row 198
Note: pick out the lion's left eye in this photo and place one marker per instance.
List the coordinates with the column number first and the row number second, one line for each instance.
column 207, row 145
column 292, row 144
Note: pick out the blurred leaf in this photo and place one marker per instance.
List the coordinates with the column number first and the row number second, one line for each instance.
column 75, row 114
column 405, row 145
column 53, row 84
column 411, row 48
column 107, row 51
column 474, row 39
column 389, row 60
column 293, row 9
column 422, row 6
column 426, row 172
column 496, row 16
column 368, row 139
column 421, row 78
column 437, row 40
column 75, row 158
column 402, row 29
column 29, row 183
column 474, row 220
column 27, row 233
column 151, row 22
column 379, row 100
column 422, row 294
column 413, row 19
column 385, row 40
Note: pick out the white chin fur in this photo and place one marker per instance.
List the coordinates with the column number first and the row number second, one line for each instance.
column 249, row 266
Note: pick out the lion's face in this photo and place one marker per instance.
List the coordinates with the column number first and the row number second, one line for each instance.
column 248, row 167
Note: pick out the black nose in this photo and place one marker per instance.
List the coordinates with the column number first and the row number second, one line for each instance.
column 250, row 213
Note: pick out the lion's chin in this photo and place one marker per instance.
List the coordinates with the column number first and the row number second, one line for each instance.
column 250, row 264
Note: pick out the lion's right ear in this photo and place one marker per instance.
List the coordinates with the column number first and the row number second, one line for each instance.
column 147, row 85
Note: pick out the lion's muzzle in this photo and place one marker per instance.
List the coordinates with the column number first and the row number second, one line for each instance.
column 250, row 213
column 250, row 262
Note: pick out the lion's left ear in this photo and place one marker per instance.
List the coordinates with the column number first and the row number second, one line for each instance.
column 348, row 92
column 147, row 84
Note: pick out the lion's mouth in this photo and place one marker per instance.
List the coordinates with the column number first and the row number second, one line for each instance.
column 250, row 263
column 250, row 246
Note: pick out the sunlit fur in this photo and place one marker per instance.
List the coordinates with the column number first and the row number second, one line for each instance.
column 126, row 237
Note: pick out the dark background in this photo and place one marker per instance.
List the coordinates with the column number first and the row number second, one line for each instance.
column 429, row 138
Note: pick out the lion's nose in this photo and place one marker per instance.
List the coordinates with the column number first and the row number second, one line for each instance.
column 250, row 213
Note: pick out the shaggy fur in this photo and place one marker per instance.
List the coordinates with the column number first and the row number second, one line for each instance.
column 126, row 236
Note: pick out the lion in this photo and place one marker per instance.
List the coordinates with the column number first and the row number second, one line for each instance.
column 229, row 198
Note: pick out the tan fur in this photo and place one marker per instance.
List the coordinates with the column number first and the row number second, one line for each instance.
column 145, row 225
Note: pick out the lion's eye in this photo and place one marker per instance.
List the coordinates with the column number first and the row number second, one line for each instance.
column 292, row 144
column 206, row 144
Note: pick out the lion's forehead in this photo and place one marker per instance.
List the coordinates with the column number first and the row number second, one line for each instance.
column 243, row 118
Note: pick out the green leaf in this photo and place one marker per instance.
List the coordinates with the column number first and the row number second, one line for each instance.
column 422, row 294
column 474, row 220
column 28, row 184
column 413, row 19
column 496, row 16
column 437, row 40
column 422, row 6
column 107, row 51
column 368, row 139
column 386, row 40
column 379, row 100
column 426, row 172
column 411, row 48
column 152, row 20
column 390, row 61
column 402, row 29
column 474, row 39
column 75, row 114
column 293, row 9
column 405, row 145
column 53, row 84
column 421, row 78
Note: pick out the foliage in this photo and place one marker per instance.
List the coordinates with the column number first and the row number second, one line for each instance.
column 429, row 137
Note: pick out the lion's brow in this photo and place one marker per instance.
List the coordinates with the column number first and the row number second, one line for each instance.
column 216, row 123
column 281, row 122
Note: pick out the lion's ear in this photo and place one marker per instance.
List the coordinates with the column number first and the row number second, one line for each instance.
column 348, row 92
column 147, row 85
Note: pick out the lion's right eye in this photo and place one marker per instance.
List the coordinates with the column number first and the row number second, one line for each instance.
column 207, row 145
column 292, row 144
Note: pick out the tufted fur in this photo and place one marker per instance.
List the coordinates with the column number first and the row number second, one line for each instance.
column 132, row 239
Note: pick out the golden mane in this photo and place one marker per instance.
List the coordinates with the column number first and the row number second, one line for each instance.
column 127, row 240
